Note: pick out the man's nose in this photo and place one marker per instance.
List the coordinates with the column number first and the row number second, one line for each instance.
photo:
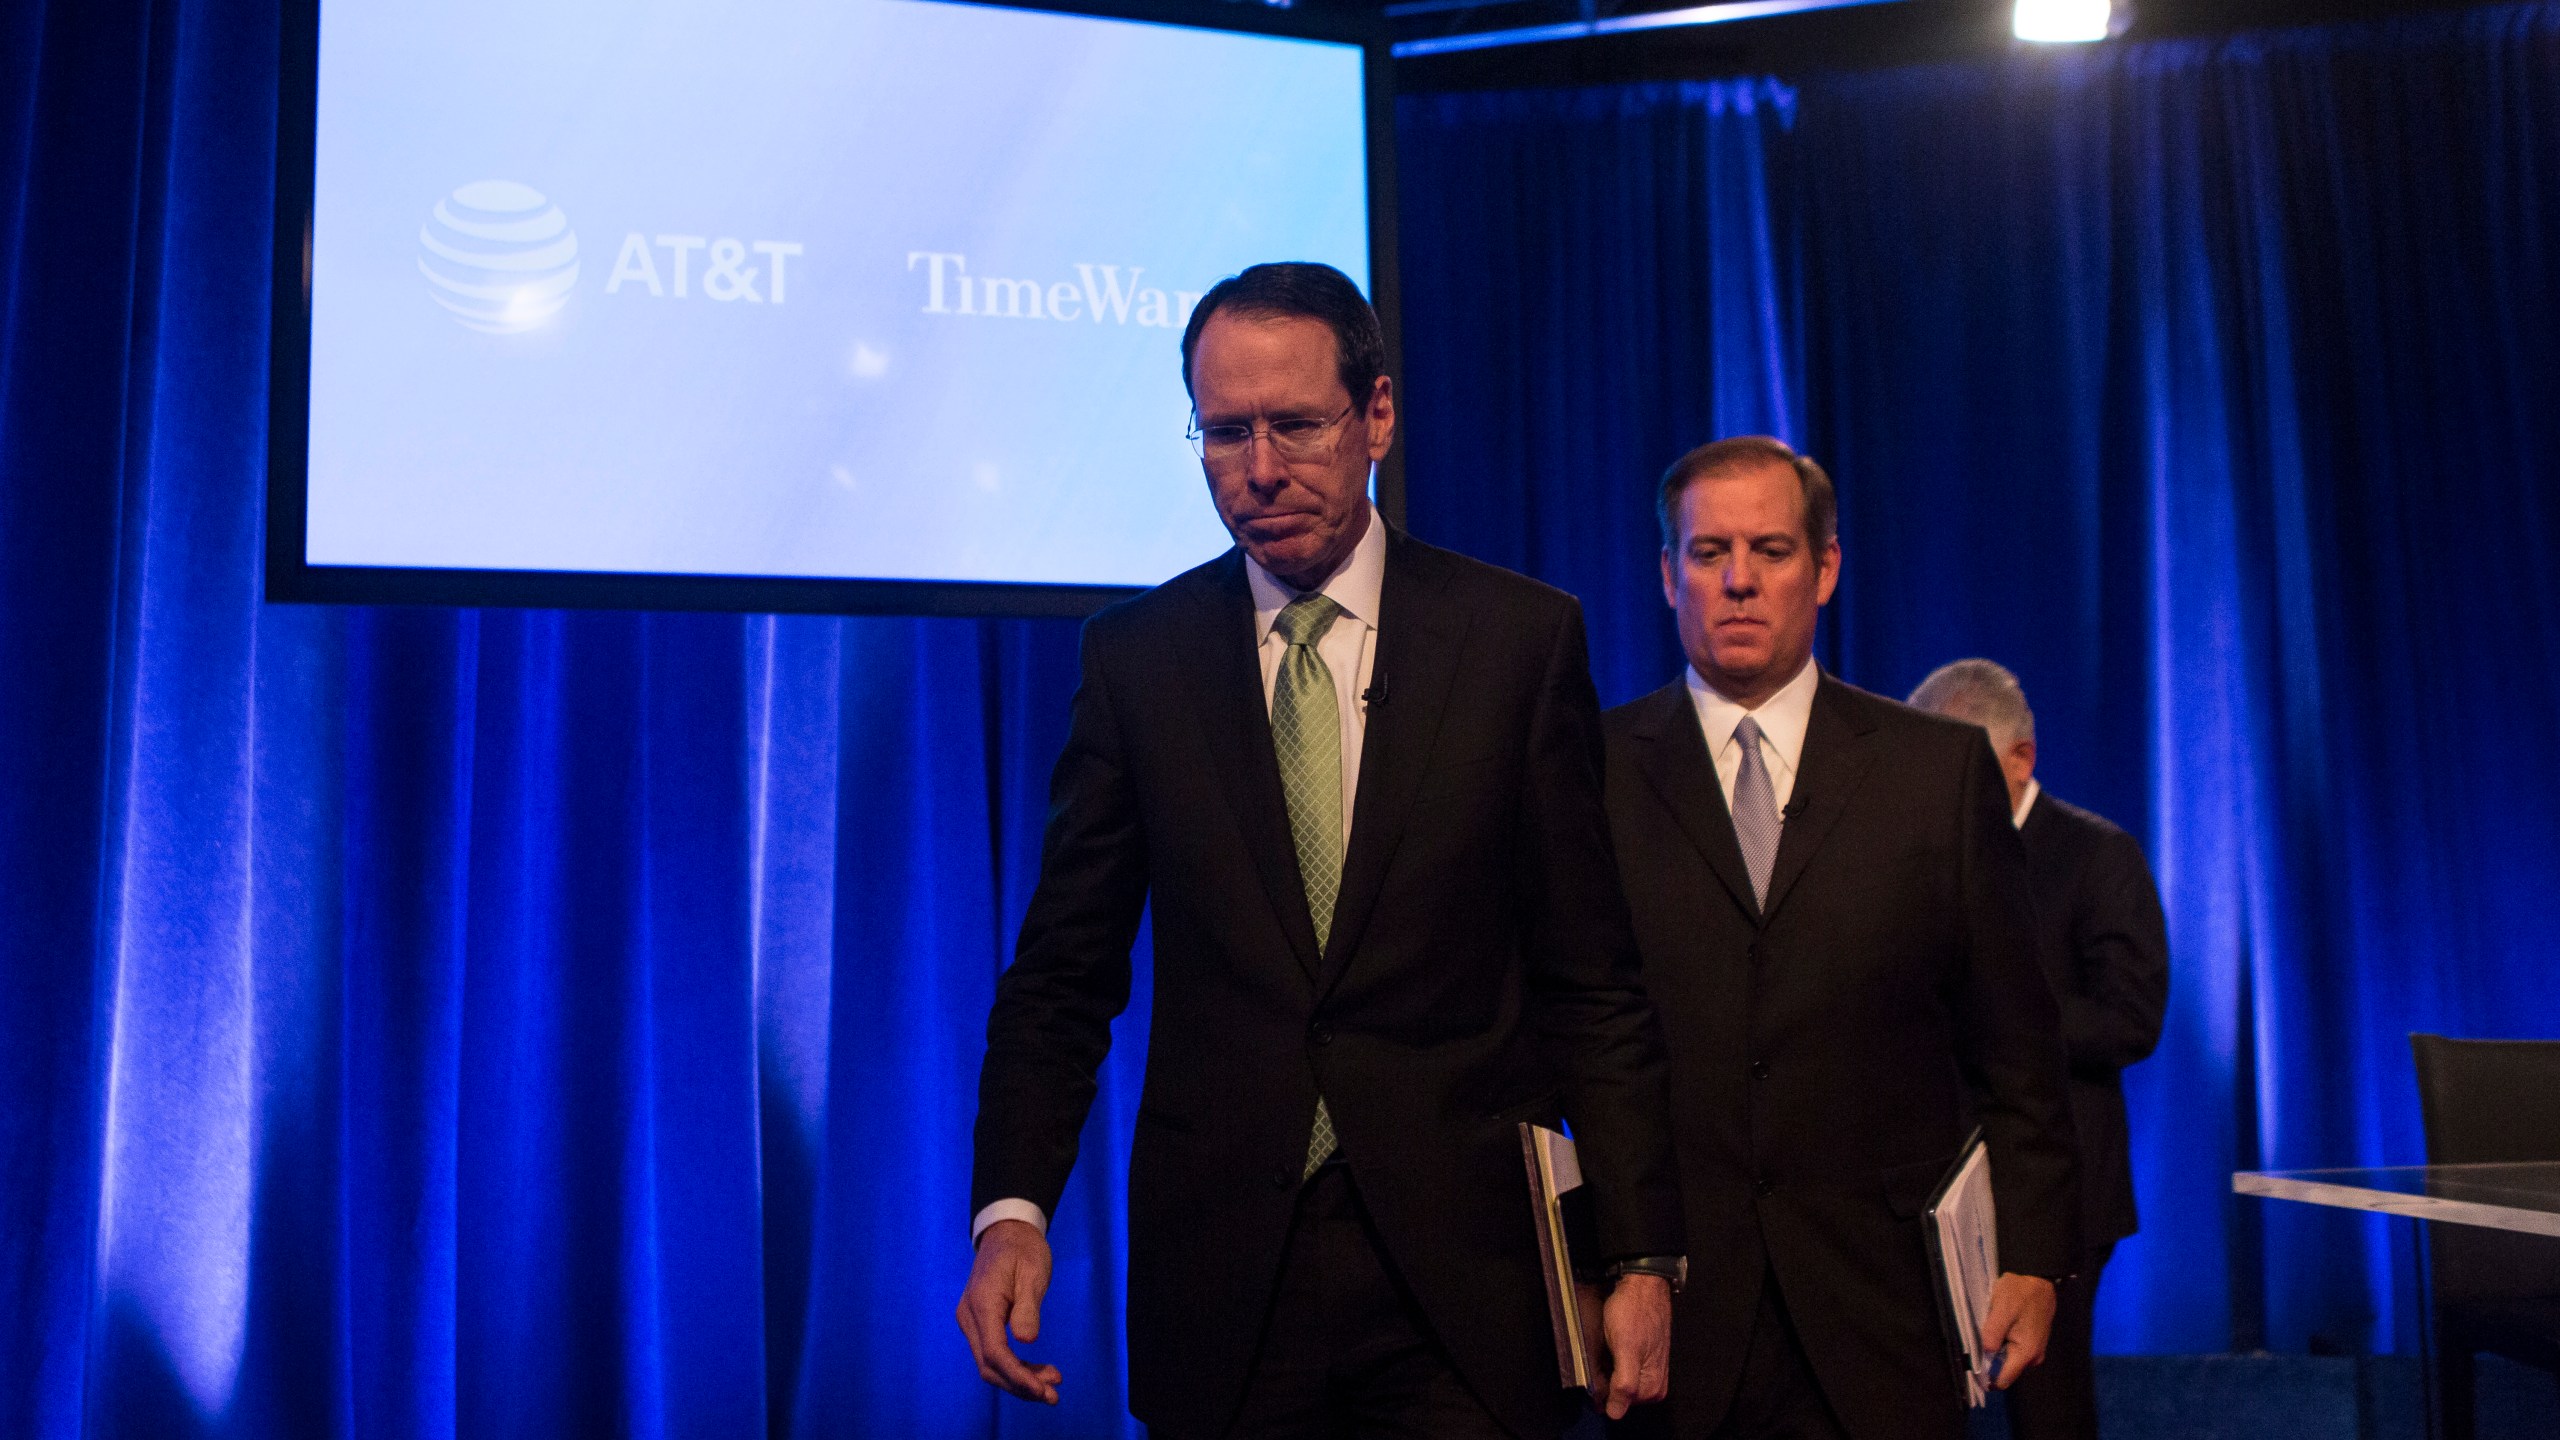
column 1263, row 468
column 1741, row 577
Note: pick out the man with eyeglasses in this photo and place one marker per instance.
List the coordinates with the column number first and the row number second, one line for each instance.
column 1357, row 779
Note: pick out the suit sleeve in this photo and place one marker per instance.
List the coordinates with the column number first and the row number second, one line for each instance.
column 2120, row 961
column 1050, row 1026
column 2011, row 1037
column 1585, row 992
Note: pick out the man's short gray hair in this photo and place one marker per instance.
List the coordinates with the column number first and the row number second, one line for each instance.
column 1983, row 692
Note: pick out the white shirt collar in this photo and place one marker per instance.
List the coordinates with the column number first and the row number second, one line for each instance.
column 2026, row 803
column 1354, row 587
column 1783, row 717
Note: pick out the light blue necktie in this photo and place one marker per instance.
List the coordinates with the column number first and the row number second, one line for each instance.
column 1755, row 811
column 1306, row 730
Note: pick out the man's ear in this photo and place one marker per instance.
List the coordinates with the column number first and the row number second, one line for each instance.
column 1828, row 571
column 1670, row 578
column 1381, row 418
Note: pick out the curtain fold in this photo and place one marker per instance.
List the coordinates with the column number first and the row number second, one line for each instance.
column 1594, row 281
column 2195, row 380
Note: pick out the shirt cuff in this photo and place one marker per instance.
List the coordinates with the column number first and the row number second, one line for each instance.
column 1022, row 1210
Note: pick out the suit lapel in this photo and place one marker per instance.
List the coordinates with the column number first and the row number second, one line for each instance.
column 1420, row 634
column 1835, row 756
column 1677, row 765
column 1232, row 711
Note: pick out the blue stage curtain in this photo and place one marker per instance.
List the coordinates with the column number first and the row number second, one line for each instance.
column 435, row 1023
column 1594, row 281
column 2209, row 385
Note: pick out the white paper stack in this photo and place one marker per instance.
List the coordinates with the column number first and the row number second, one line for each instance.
column 1964, row 1246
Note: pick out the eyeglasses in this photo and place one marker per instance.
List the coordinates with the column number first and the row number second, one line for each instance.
column 1292, row 437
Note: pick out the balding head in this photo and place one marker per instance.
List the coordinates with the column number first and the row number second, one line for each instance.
column 1982, row 692
column 1986, row 694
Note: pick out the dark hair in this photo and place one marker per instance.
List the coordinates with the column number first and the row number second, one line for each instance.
column 1314, row 292
column 1740, row 452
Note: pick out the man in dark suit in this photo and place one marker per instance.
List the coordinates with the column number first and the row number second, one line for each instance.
column 2106, row 953
column 1836, row 930
column 1358, row 780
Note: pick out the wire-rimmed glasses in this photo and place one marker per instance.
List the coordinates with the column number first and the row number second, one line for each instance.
column 1292, row 437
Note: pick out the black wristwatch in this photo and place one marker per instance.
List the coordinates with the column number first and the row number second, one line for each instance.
column 1673, row 1269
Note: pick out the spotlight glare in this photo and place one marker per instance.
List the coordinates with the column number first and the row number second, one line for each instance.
column 2061, row 21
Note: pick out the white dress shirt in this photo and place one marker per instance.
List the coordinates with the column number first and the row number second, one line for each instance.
column 1783, row 718
column 1350, row 649
column 2026, row 803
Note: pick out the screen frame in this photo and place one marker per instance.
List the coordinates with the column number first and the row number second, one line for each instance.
column 291, row 579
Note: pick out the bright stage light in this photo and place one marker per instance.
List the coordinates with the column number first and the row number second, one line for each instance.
column 2058, row 21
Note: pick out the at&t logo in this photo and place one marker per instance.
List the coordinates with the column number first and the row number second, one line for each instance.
column 499, row 256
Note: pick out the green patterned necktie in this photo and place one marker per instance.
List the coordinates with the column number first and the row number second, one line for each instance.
column 1306, row 730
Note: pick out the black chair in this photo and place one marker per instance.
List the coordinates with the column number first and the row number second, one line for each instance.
column 2489, row 1102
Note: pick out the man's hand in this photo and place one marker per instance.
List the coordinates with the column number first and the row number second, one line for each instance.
column 1635, row 1324
column 2020, row 1322
column 1005, row 1287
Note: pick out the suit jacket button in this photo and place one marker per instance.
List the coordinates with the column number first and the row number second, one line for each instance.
column 1759, row 1069
column 1282, row 1177
column 1320, row 1033
column 1762, row 1186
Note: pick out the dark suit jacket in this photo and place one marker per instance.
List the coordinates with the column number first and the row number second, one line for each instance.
column 2106, row 950
column 1822, row 1053
column 1480, row 971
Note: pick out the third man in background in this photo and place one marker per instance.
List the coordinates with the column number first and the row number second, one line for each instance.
column 2106, row 950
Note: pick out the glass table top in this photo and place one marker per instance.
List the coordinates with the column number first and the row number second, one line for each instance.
column 2522, row 1198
